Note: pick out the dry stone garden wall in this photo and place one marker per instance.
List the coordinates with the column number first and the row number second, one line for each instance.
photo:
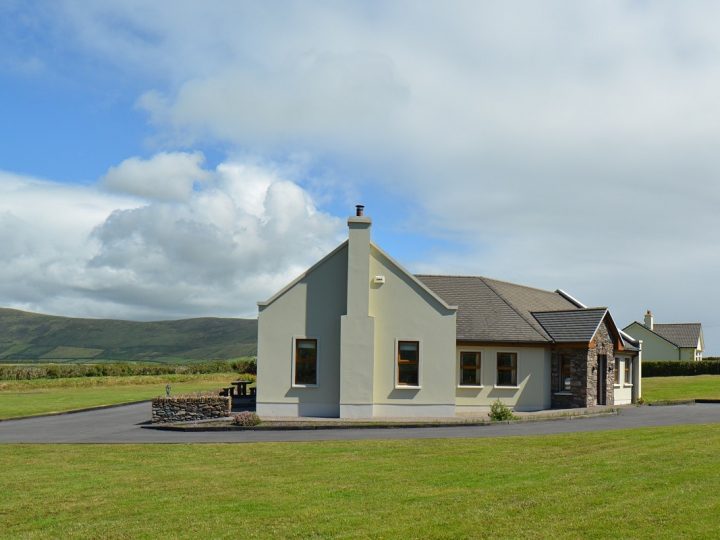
column 189, row 408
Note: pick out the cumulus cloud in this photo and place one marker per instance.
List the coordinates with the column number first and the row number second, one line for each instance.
column 79, row 250
column 165, row 176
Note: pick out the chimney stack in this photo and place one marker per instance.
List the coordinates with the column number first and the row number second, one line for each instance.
column 649, row 320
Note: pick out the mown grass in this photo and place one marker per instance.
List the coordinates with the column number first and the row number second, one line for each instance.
column 40, row 396
column 646, row 483
column 677, row 388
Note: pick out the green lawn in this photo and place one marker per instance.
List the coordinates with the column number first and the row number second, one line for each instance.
column 645, row 483
column 25, row 398
column 675, row 388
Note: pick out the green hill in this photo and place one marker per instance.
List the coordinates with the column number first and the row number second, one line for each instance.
column 32, row 337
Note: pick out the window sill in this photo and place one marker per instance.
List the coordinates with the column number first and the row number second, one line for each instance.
column 628, row 385
column 506, row 387
column 460, row 386
column 406, row 387
column 563, row 393
column 617, row 385
column 304, row 386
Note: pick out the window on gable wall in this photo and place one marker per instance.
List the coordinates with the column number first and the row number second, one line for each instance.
column 305, row 361
column 408, row 363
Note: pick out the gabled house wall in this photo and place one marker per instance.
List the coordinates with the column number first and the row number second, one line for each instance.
column 357, row 322
column 655, row 348
column 311, row 307
column 404, row 310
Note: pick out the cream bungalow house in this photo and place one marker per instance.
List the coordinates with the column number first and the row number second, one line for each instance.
column 357, row 335
column 670, row 341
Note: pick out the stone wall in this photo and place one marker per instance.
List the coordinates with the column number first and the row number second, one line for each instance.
column 584, row 372
column 188, row 408
column 603, row 345
column 577, row 396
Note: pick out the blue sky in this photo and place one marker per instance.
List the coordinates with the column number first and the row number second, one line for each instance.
column 176, row 159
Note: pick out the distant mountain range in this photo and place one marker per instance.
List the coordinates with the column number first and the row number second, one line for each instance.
column 32, row 337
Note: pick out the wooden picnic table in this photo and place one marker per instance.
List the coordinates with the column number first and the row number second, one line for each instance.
column 241, row 387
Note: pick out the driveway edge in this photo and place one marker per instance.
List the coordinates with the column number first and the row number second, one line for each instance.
column 75, row 411
column 194, row 427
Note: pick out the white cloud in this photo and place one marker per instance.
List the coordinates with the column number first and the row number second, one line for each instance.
column 166, row 176
column 79, row 251
column 561, row 143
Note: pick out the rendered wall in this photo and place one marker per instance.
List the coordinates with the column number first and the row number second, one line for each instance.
column 655, row 348
column 403, row 310
column 533, row 378
column 311, row 308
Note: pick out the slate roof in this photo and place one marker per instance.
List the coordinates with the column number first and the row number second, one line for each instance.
column 681, row 334
column 492, row 310
column 573, row 326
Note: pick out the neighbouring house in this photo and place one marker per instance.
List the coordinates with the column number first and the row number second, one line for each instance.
column 668, row 342
column 357, row 335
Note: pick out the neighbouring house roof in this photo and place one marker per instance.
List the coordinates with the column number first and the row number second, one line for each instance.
column 681, row 334
column 571, row 326
column 492, row 310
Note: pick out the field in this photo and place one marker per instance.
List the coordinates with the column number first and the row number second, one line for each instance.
column 678, row 388
column 25, row 398
column 646, row 483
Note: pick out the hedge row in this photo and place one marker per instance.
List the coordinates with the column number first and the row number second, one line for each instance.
column 57, row 371
column 709, row 366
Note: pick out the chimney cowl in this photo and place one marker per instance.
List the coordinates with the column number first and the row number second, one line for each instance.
column 359, row 210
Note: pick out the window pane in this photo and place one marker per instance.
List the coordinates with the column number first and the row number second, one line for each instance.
column 565, row 374
column 408, row 351
column 408, row 374
column 306, row 361
column 628, row 371
column 617, row 371
column 506, row 378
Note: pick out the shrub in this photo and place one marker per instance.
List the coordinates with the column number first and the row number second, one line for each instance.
column 246, row 418
column 499, row 412
column 709, row 366
column 246, row 368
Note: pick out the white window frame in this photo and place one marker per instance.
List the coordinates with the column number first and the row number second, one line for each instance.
column 459, row 368
column 517, row 370
column 317, row 362
column 619, row 371
column 627, row 361
column 396, row 357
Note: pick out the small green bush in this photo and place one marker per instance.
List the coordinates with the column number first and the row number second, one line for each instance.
column 499, row 412
column 246, row 418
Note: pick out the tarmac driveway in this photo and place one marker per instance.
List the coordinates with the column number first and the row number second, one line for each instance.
column 123, row 425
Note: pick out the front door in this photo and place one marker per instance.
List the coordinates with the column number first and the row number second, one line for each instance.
column 602, row 379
